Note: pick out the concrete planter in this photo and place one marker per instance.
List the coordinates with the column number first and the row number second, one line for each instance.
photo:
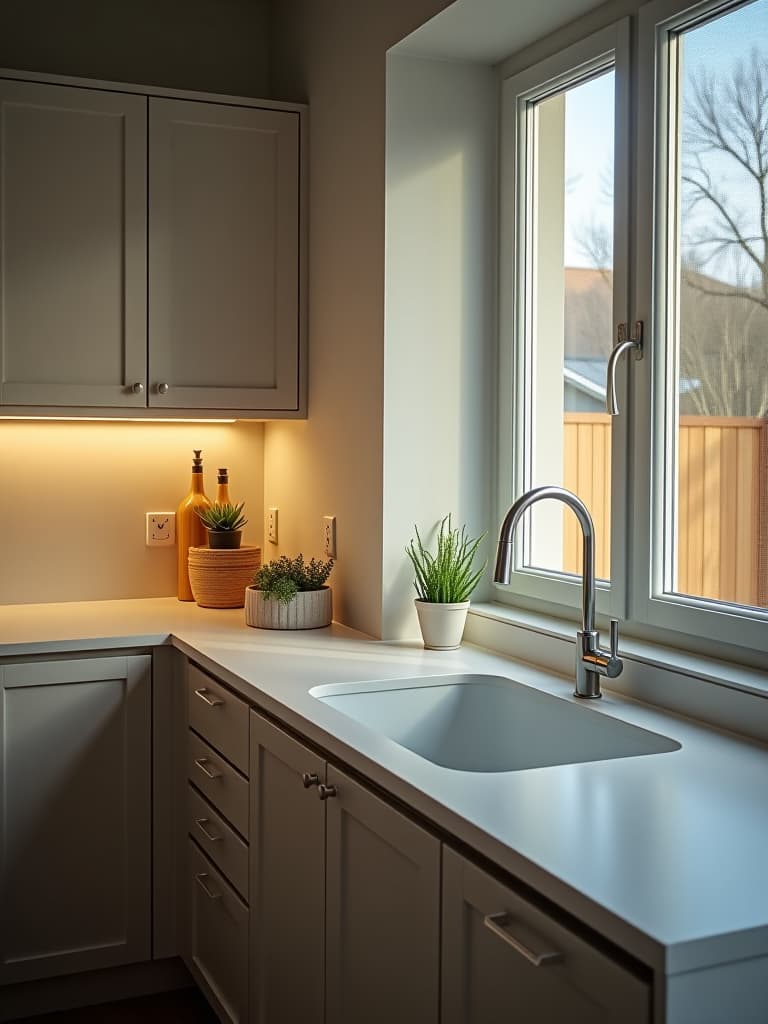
column 442, row 625
column 309, row 609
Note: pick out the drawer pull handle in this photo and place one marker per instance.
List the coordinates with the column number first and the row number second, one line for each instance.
column 201, row 823
column 310, row 780
column 201, row 881
column 201, row 763
column 325, row 792
column 498, row 924
column 212, row 703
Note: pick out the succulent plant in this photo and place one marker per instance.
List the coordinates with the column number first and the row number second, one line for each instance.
column 447, row 576
column 284, row 577
column 225, row 518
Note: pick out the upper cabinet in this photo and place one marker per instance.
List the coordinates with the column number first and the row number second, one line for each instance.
column 223, row 256
column 73, row 254
column 151, row 255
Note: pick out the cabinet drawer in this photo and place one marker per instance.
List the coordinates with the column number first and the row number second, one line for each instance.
column 219, row 782
column 219, row 841
column 219, row 715
column 218, row 937
column 504, row 958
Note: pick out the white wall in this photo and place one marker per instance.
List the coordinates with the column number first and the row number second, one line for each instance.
column 439, row 302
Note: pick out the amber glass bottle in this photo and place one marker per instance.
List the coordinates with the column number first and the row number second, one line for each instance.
column 222, row 491
column 190, row 532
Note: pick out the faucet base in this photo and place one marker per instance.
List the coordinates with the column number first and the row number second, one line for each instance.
column 587, row 696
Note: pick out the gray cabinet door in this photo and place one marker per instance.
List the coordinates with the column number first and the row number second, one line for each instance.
column 382, row 912
column 287, row 884
column 223, row 256
column 492, row 939
column 218, row 938
column 75, row 815
column 73, row 246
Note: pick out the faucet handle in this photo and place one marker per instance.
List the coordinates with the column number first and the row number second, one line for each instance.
column 614, row 638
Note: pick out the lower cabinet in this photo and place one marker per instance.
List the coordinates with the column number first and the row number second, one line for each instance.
column 75, row 815
column 506, row 960
column 345, row 895
column 214, row 838
column 218, row 936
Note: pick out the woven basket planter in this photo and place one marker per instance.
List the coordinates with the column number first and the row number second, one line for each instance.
column 309, row 609
column 219, row 576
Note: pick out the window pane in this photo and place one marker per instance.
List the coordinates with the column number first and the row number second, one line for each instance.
column 718, row 314
column 569, row 269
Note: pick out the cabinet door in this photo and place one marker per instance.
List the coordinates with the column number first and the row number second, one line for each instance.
column 223, row 256
column 218, row 938
column 506, row 960
column 75, row 816
column 73, row 246
column 287, row 884
column 382, row 912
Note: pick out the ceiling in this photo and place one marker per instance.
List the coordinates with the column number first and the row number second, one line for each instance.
column 488, row 31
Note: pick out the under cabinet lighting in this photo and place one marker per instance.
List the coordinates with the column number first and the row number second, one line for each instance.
column 111, row 419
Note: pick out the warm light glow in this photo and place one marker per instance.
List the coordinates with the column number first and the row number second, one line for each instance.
column 115, row 419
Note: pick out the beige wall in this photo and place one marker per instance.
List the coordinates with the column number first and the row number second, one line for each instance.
column 73, row 498
column 332, row 53
column 207, row 45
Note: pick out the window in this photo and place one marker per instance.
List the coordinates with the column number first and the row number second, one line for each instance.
column 566, row 227
column 677, row 484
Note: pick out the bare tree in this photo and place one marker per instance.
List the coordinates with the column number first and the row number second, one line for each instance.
column 728, row 118
column 724, row 297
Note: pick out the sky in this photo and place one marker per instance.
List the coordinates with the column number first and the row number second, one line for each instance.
column 715, row 46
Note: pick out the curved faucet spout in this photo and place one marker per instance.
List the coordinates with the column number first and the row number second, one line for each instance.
column 591, row 660
column 505, row 549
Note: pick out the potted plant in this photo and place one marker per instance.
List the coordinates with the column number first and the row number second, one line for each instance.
column 224, row 523
column 289, row 593
column 444, row 581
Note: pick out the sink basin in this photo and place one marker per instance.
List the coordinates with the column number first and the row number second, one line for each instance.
column 485, row 723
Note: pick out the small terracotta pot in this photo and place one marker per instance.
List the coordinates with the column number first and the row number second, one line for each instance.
column 224, row 538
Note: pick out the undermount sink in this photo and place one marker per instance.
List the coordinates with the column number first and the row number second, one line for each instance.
column 485, row 723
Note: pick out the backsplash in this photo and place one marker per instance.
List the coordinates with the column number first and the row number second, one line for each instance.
column 73, row 497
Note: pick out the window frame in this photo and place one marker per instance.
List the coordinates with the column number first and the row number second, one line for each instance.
column 640, row 528
column 740, row 625
column 607, row 48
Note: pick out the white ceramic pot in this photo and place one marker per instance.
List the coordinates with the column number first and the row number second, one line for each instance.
column 442, row 625
column 309, row 609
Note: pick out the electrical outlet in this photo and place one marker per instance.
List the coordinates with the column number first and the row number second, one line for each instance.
column 161, row 529
column 329, row 536
column 272, row 525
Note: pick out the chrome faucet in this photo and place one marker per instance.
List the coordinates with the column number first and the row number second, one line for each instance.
column 591, row 660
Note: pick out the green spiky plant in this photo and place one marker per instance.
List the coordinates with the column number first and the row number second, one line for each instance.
column 284, row 577
column 446, row 577
column 224, row 518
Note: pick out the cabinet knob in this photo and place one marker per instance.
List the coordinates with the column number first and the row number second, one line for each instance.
column 137, row 388
column 326, row 792
column 163, row 388
column 310, row 780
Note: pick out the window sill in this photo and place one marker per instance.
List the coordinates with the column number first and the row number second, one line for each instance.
column 720, row 693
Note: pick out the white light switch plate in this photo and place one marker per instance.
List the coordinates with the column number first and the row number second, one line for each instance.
column 161, row 529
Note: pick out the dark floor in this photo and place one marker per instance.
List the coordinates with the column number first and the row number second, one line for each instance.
column 185, row 1007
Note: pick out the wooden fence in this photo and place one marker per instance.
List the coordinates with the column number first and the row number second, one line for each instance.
column 722, row 521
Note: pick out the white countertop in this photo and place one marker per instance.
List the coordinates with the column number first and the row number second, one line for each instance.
column 667, row 854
